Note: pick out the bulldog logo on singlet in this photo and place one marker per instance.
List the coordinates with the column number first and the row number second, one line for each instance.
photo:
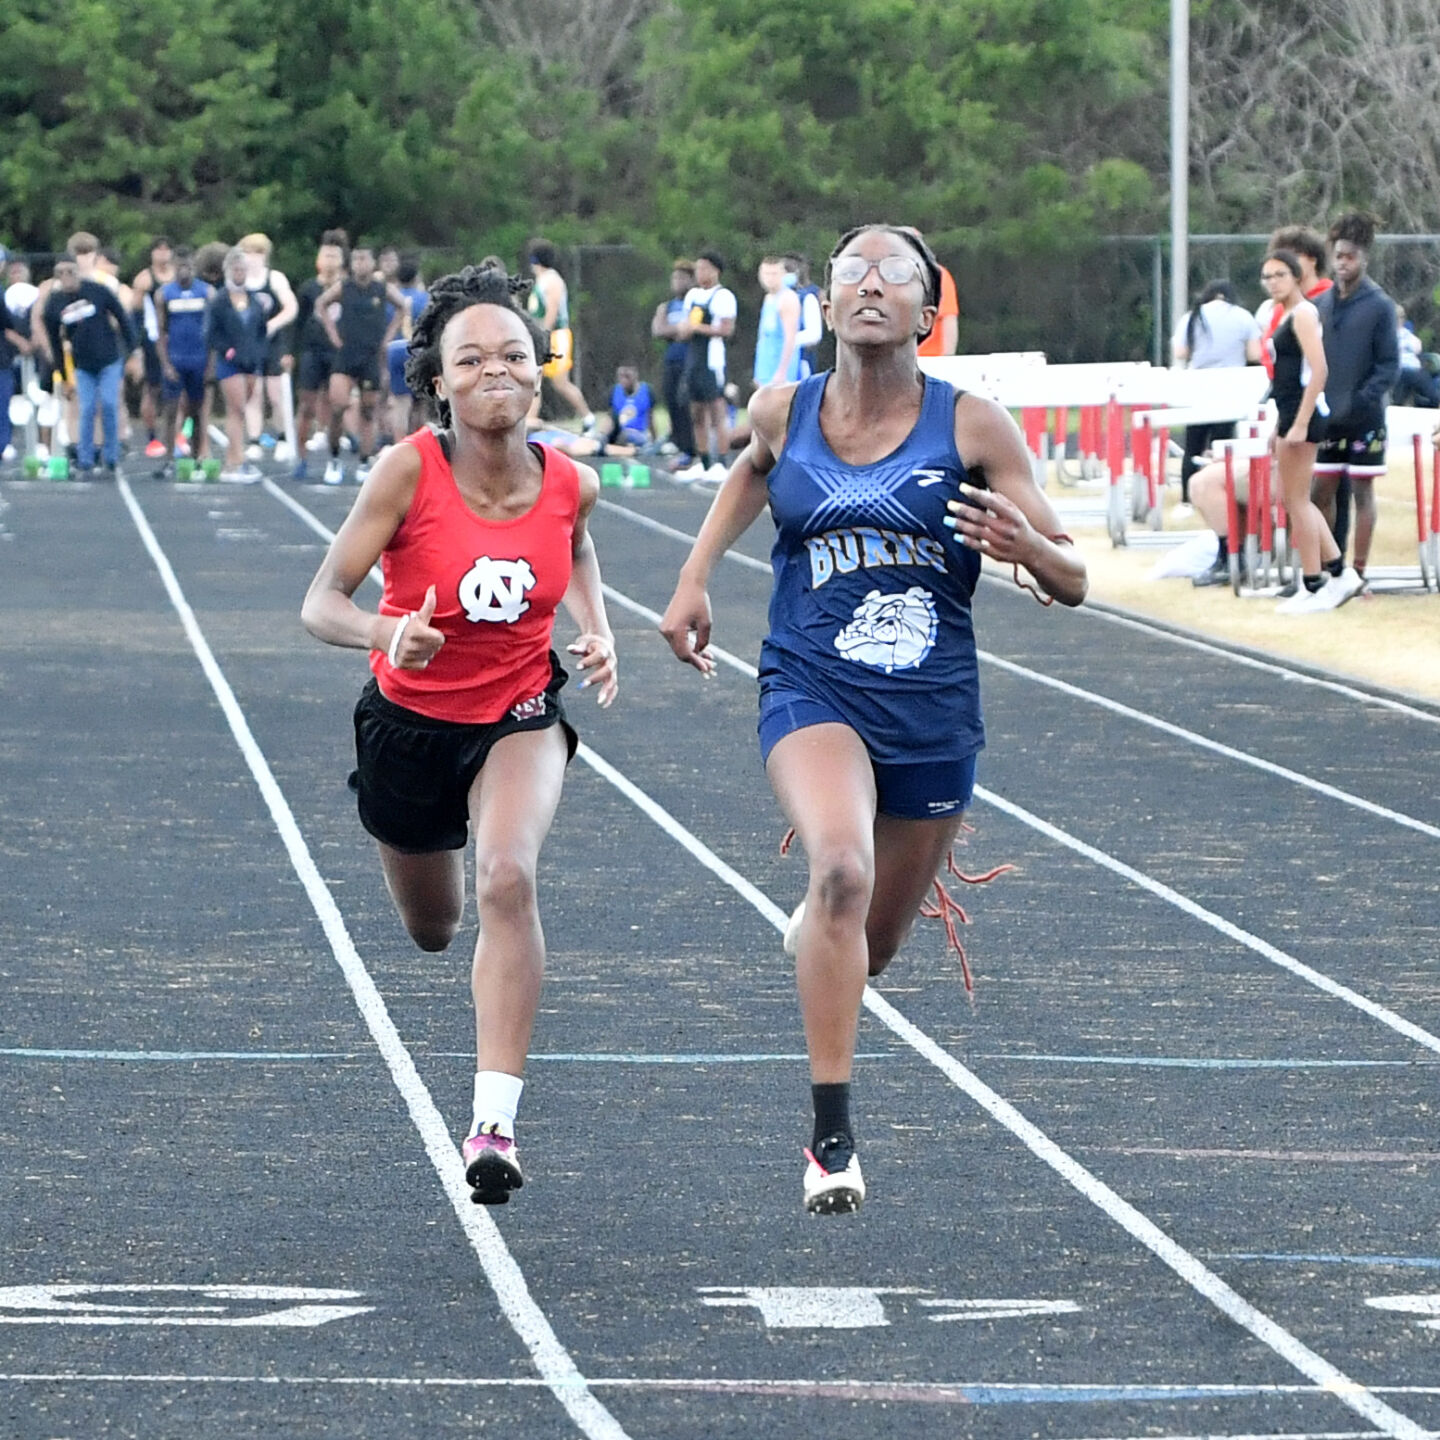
column 495, row 590
column 890, row 632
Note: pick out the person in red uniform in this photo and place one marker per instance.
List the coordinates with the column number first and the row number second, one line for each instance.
column 480, row 537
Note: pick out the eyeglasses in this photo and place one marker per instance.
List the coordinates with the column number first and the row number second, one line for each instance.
column 894, row 269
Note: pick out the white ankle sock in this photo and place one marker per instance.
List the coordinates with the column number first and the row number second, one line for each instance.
column 497, row 1098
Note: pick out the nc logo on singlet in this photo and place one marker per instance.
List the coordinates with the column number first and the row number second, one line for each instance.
column 890, row 632
column 495, row 589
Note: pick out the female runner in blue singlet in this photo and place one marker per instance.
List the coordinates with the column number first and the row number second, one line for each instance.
column 869, row 701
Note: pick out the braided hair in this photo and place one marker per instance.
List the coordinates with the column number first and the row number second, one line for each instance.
column 449, row 295
column 929, row 265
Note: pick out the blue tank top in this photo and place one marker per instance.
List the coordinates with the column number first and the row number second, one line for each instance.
column 185, row 308
column 871, row 606
column 769, row 342
column 632, row 412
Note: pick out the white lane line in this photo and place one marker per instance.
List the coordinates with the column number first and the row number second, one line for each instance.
column 646, row 523
column 552, row 1360
column 1191, row 1270
column 1157, row 888
column 1251, row 662
column 1140, row 717
column 1260, row 947
column 1203, row 742
column 1268, row 667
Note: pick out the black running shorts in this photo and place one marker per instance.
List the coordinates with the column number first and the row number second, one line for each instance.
column 702, row 384
column 413, row 774
column 314, row 366
column 364, row 369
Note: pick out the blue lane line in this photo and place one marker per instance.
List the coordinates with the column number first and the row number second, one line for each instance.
column 164, row 1055
column 1175, row 1062
column 1407, row 1262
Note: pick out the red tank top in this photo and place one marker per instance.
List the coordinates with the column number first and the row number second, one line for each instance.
column 497, row 584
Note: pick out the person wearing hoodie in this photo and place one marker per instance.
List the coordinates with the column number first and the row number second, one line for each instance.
column 1362, row 356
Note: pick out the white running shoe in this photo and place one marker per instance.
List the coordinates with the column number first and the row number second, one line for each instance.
column 791, row 942
column 717, row 472
column 833, row 1182
column 318, row 441
column 242, row 475
column 689, row 475
column 362, row 472
column 1342, row 587
column 1309, row 602
column 334, row 473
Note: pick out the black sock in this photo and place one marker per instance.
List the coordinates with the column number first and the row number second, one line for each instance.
column 1336, row 565
column 832, row 1111
column 1224, row 554
column 1314, row 582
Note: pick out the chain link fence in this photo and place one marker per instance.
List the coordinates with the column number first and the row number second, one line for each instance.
column 1104, row 301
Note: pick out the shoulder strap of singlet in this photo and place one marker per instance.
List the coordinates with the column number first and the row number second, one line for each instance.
column 559, row 465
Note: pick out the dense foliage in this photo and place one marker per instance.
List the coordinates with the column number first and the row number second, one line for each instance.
column 1016, row 133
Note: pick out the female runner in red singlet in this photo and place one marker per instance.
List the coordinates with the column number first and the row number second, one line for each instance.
column 480, row 536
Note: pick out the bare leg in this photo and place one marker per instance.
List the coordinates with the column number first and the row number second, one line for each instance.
column 169, row 412
column 275, row 395
column 720, row 423
column 822, row 777
column 255, row 412
column 340, row 386
column 428, row 891
column 236, row 390
column 307, row 417
column 700, row 424
column 367, row 423
column 907, row 855
column 1313, row 540
column 1323, row 489
column 512, row 804
column 1362, row 490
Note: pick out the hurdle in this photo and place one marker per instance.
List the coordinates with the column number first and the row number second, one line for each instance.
column 1260, row 563
column 1413, row 429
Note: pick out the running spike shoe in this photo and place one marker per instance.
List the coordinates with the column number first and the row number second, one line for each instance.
column 492, row 1166
column 833, row 1182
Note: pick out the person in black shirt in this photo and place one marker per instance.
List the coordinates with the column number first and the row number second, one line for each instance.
column 359, row 340
column 314, row 354
column 89, row 318
column 1362, row 351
